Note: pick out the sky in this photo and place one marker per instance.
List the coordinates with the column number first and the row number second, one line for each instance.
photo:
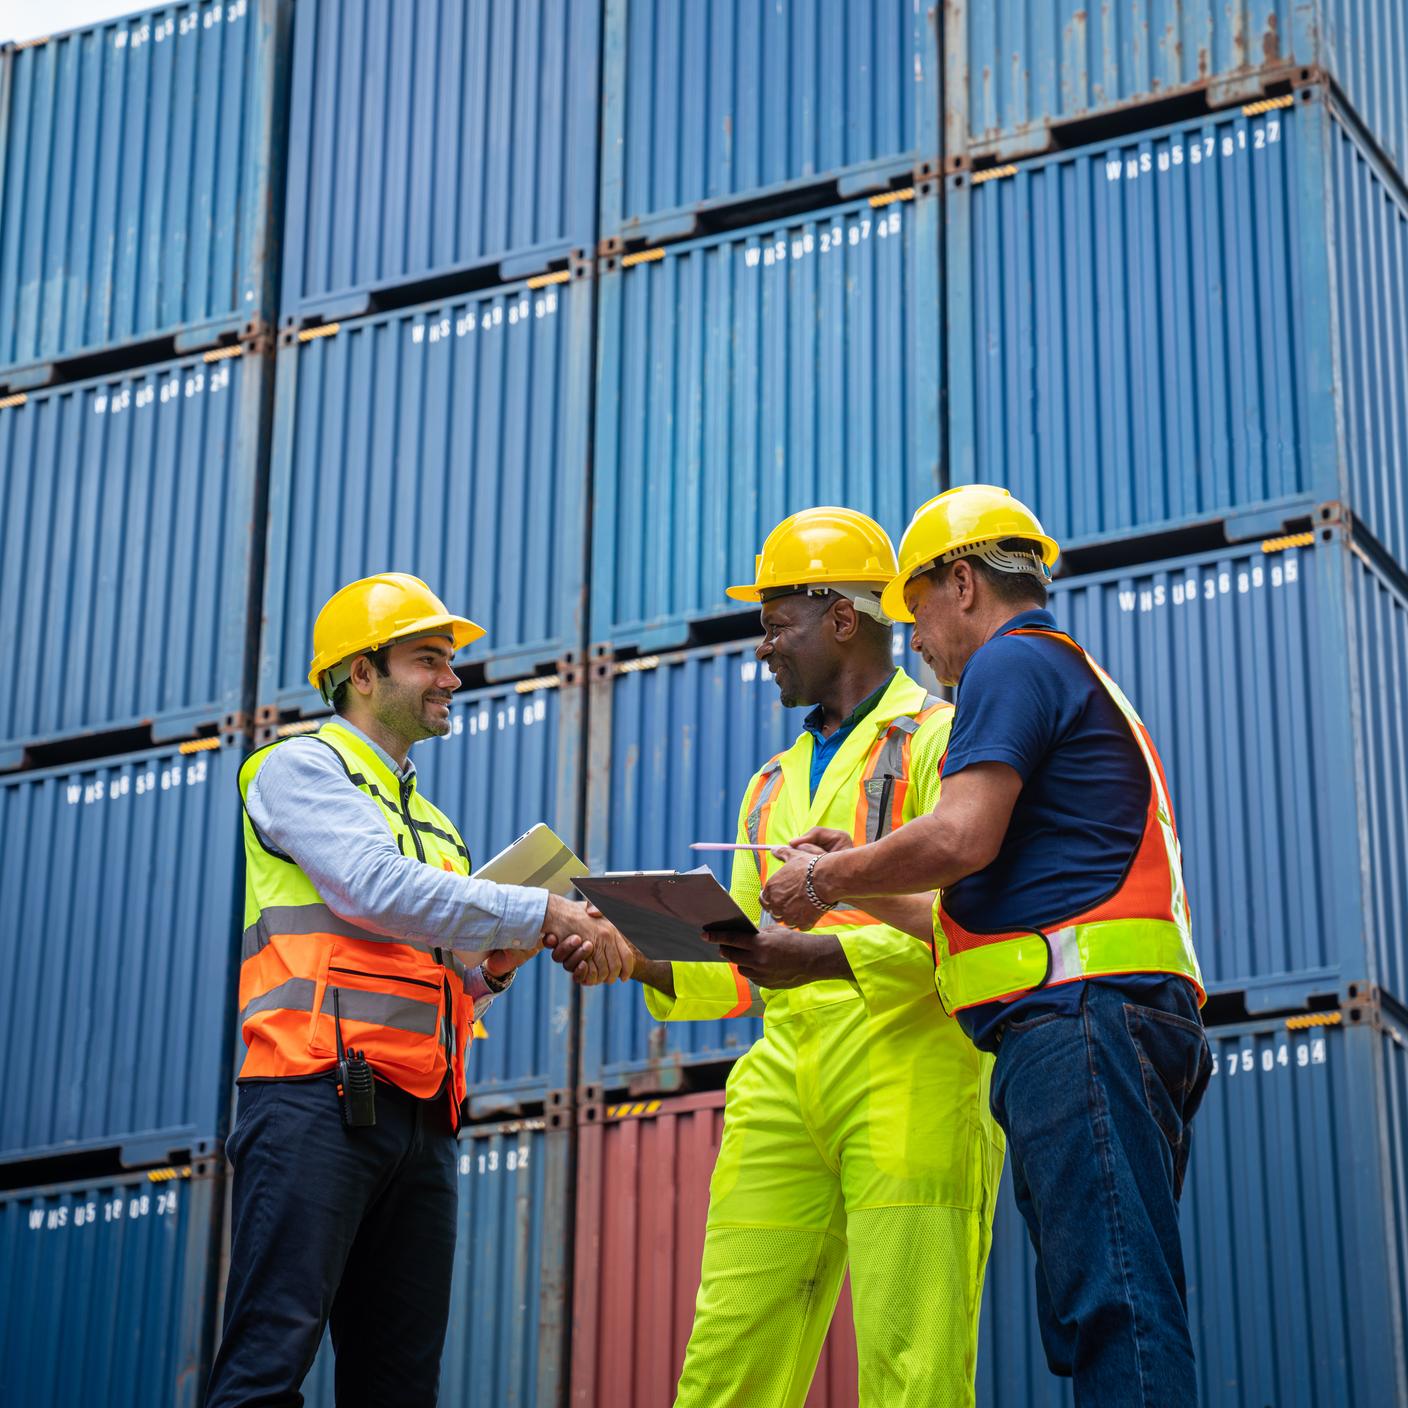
column 27, row 19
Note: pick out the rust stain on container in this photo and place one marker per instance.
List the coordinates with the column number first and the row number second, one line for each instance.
column 1271, row 40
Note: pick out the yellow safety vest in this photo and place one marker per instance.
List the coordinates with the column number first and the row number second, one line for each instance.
column 403, row 1003
column 866, row 791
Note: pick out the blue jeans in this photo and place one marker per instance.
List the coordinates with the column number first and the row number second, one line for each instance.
column 356, row 1226
column 1096, row 1105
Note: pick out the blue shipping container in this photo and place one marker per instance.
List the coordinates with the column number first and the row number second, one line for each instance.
column 509, row 1301
column 673, row 744
column 1293, row 1221
column 139, row 156
column 1185, row 326
column 746, row 376
column 119, row 912
column 432, row 137
column 1017, row 70
column 448, row 440
column 1273, row 685
column 707, row 103
column 106, row 1296
column 132, row 507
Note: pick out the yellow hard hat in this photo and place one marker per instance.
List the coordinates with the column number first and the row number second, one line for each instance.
column 961, row 518
column 817, row 546
column 374, row 611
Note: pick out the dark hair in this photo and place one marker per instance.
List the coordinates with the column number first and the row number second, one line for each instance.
column 380, row 661
column 1010, row 588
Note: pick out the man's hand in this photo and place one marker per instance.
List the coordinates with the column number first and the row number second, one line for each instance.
column 785, row 894
column 574, row 953
column 778, row 957
column 595, row 947
column 500, row 962
column 823, row 838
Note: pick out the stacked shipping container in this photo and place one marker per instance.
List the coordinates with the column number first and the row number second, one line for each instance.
column 140, row 208
column 573, row 309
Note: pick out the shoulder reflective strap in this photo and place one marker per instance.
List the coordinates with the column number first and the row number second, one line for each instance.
column 889, row 761
column 760, row 804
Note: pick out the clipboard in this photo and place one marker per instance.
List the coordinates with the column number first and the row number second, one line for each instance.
column 539, row 858
column 662, row 912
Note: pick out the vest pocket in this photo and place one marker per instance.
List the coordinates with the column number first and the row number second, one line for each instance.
column 389, row 1010
column 884, row 802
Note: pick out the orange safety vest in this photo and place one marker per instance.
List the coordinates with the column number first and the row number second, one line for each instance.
column 401, row 1002
column 1143, row 926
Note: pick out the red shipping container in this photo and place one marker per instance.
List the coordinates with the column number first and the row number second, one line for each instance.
column 643, row 1173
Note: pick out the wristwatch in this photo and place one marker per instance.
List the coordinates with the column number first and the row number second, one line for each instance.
column 497, row 985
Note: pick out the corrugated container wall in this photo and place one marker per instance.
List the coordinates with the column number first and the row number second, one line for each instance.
column 447, row 440
column 745, row 376
column 511, row 760
column 642, row 1196
column 1019, row 72
column 673, row 743
column 106, row 1292
column 118, row 919
column 1180, row 327
column 140, row 160
column 509, row 1309
column 131, row 507
column 1293, row 1223
column 433, row 137
column 1273, row 685
column 707, row 103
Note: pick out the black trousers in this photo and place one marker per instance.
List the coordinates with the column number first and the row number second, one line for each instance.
column 356, row 1226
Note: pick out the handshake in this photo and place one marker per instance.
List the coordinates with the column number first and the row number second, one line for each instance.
column 588, row 946
column 595, row 952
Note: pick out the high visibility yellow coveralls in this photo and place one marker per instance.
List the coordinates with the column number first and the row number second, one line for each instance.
column 857, row 1125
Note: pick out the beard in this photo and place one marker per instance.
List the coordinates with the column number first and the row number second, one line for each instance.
column 411, row 714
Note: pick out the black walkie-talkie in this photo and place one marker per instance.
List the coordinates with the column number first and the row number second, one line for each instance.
column 356, row 1087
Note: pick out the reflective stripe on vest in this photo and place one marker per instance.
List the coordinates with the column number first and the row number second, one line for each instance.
column 401, row 1001
column 1144, row 926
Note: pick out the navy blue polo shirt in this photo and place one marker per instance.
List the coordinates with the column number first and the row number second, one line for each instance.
column 1033, row 703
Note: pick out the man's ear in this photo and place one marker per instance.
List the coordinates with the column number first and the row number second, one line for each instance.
column 361, row 676
column 845, row 620
column 965, row 583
